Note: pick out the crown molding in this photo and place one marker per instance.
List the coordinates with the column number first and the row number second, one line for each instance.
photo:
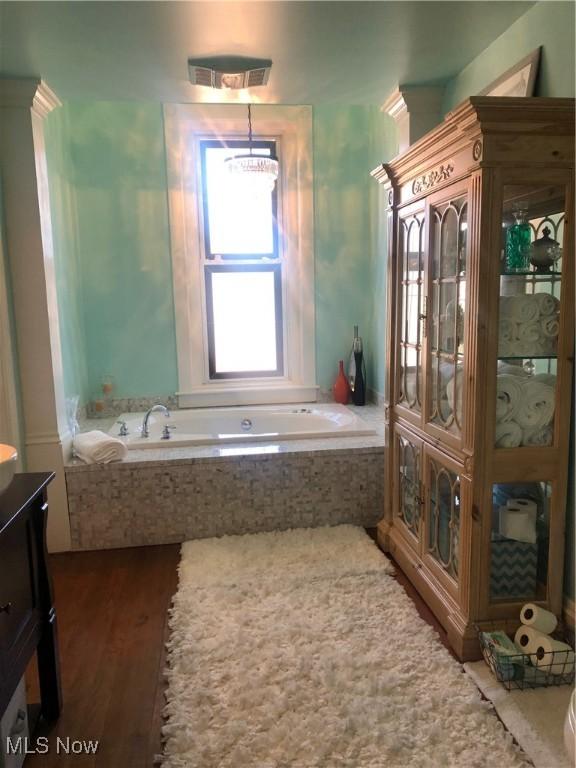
column 395, row 105
column 28, row 93
column 45, row 100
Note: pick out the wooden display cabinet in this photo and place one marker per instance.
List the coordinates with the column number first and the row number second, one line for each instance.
column 479, row 360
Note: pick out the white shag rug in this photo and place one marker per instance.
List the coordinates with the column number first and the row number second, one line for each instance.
column 535, row 717
column 297, row 649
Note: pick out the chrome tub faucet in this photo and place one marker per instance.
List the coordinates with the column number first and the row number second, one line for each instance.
column 158, row 407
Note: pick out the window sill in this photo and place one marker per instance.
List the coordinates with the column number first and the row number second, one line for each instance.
column 265, row 394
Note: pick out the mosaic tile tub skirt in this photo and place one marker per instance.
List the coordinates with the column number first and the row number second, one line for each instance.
column 124, row 505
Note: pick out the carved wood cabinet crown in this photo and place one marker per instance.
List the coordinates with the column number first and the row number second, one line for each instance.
column 480, row 306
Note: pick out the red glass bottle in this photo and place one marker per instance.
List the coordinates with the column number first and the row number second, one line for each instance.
column 341, row 388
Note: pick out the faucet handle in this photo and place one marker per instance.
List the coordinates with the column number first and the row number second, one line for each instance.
column 123, row 431
column 166, row 431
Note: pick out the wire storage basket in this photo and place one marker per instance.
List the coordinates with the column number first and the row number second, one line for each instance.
column 527, row 670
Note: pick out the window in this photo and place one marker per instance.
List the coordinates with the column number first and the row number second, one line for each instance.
column 236, row 225
column 242, row 262
column 244, row 321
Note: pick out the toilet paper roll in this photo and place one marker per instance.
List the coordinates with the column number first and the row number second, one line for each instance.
column 527, row 639
column 552, row 656
column 527, row 505
column 518, row 523
column 538, row 618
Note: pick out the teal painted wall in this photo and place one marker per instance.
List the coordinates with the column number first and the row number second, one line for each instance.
column 119, row 175
column 113, row 248
column 549, row 24
column 66, row 254
column 344, row 211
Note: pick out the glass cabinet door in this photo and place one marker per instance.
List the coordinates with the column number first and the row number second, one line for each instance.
column 443, row 503
column 408, row 502
column 446, row 310
column 529, row 315
column 519, row 541
column 411, row 248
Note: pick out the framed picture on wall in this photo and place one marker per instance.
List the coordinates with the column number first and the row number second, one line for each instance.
column 519, row 80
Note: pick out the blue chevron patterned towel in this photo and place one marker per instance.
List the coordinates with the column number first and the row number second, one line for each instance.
column 513, row 568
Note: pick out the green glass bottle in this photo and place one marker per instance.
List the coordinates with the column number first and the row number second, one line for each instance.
column 518, row 242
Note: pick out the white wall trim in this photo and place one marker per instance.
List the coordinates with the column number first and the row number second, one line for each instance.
column 185, row 125
column 29, row 92
column 25, row 103
column 415, row 109
column 45, row 100
column 208, row 397
column 9, row 406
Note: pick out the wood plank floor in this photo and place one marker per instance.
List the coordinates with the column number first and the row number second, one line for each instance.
column 112, row 612
column 112, row 615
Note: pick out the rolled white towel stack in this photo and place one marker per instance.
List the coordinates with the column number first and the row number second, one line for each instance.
column 525, row 408
column 508, row 435
column 536, row 408
column 97, row 447
column 528, row 325
column 533, row 638
column 508, row 396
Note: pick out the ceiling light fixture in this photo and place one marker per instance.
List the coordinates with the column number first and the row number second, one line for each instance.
column 261, row 171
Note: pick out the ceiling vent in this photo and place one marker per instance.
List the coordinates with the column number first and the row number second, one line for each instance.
column 234, row 72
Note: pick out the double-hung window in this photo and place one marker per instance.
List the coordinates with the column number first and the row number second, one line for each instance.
column 242, row 265
column 242, row 258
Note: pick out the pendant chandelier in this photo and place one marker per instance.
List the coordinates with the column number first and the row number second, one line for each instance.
column 260, row 171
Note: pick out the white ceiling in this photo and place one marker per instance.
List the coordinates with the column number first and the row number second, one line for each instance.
column 323, row 52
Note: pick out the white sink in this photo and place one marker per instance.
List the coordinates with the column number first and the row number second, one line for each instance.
column 8, row 457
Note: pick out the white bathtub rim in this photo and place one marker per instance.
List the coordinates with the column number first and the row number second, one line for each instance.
column 355, row 427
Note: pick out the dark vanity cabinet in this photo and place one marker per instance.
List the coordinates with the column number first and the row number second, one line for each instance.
column 27, row 615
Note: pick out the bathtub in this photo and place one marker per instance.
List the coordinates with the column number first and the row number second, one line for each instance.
column 240, row 425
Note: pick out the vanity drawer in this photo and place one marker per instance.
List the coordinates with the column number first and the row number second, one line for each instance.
column 17, row 590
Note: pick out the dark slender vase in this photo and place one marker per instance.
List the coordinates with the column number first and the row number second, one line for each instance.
column 359, row 391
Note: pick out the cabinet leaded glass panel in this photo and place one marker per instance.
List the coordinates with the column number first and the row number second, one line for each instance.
column 443, row 533
column 409, row 469
column 412, row 297
column 448, row 307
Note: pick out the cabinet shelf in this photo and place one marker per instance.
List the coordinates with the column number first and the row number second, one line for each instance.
column 538, row 276
column 527, row 357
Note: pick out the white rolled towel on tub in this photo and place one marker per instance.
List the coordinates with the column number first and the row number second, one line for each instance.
column 534, row 616
column 96, row 447
column 553, row 656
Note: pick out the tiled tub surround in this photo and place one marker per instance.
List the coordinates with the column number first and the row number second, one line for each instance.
column 165, row 495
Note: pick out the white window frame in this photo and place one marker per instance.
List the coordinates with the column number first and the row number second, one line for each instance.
column 185, row 126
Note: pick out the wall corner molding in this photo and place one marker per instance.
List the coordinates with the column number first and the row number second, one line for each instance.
column 395, row 105
column 28, row 93
column 415, row 109
column 45, row 100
